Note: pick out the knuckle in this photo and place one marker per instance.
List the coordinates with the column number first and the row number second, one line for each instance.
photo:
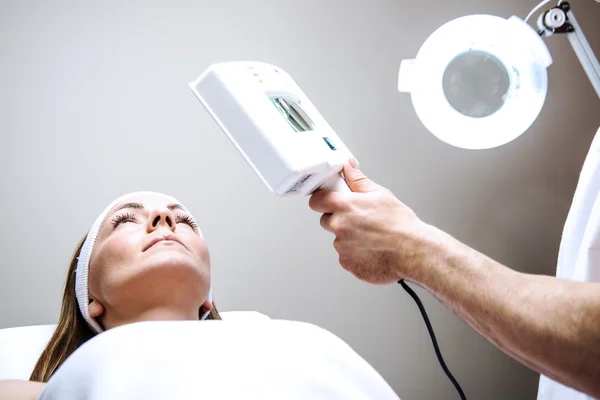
column 324, row 221
column 339, row 226
column 340, row 201
column 382, row 194
column 345, row 262
column 386, row 191
column 345, row 232
column 334, row 223
column 338, row 245
column 315, row 200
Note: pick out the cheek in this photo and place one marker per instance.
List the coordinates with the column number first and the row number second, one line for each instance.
column 110, row 259
column 201, row 250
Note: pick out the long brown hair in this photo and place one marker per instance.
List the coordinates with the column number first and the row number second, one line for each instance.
column 72, row 330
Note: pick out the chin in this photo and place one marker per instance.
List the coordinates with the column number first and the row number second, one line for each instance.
column 166, row 274
column 172, row 261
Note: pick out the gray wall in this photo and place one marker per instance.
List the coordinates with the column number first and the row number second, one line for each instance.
column 94, row 102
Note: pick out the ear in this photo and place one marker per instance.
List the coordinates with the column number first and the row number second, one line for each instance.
column 95, row 308
column 206, row 307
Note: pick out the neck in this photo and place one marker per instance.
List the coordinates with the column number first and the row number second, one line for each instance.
column 162, row 313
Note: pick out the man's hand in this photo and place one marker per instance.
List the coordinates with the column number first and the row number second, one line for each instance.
column 548, row 324
column 379, row 239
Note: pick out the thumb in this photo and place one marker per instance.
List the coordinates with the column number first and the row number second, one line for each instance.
column 356, row 180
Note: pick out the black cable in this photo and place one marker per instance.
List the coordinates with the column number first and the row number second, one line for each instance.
column 433, row 340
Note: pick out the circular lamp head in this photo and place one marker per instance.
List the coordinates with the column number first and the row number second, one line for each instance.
column 478, row 81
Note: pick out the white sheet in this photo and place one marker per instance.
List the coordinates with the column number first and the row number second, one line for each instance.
column 216, row 360
column 20, row 347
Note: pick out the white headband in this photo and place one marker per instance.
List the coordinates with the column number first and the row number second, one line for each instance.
column 83, row 262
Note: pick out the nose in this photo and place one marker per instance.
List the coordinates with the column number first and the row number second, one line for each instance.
column 162, row 218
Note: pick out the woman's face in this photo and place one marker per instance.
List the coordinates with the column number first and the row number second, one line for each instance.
column 148, row 257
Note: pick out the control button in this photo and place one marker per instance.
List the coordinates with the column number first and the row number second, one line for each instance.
column 329, row 143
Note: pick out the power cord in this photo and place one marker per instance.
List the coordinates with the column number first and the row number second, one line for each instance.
column 536, row 8
column 433, row 339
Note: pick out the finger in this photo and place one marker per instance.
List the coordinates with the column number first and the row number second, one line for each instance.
column 338, row 245
column 326, row 222
column 328, row 202
column 337, row 224
column 356, row 180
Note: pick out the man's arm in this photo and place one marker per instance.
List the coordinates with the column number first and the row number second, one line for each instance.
column 548, row 324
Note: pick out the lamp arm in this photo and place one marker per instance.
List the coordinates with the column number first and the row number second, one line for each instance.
column 562, row 20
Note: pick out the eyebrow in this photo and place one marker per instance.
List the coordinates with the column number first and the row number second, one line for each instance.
column 175, row 206
column 138, row 206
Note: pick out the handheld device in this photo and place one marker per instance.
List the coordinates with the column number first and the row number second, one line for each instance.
column 281, row 135
column 275, row 127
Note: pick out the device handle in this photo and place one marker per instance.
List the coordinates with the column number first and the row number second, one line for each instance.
column 336, row 183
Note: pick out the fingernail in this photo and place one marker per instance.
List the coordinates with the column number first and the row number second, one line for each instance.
column 353, row 163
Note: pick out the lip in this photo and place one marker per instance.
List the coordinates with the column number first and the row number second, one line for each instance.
column 162, row 238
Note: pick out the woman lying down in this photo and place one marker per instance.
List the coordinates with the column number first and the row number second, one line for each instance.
column 138, row 322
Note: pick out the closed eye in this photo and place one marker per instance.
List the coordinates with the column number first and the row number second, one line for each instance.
column 186, row 219
column 123, row 218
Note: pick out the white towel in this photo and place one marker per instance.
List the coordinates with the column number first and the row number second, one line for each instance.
column 216, row 360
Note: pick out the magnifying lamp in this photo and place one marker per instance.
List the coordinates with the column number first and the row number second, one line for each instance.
column 480, row 81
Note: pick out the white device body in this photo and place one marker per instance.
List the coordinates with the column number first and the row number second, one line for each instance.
column 274, row 126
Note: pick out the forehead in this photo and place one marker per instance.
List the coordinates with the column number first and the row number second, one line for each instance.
column 148, row 200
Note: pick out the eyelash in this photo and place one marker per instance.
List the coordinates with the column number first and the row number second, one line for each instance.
column 186, row 219
column 122, row 218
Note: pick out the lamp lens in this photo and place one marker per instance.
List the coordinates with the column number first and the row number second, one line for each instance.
column 476, row 84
